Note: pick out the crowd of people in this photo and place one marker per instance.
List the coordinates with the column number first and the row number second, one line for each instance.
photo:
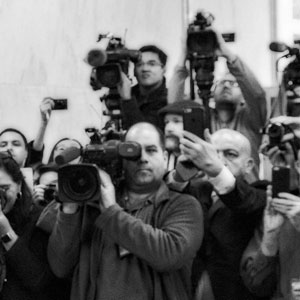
column 189, row 217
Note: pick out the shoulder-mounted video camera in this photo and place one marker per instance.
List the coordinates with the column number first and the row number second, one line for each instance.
column 107, row 67
column 109, row 63
column 81, row 182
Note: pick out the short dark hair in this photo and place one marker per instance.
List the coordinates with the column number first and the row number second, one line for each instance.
column 161, row 54
column 18, row 132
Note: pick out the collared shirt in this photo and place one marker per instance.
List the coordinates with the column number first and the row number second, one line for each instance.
column 162, row 194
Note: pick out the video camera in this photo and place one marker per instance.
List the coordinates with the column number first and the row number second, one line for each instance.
column 201, row 46
column 291, row 75
column 81, row 182
column 107, row 67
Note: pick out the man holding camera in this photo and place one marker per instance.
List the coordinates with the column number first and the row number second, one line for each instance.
column 142, row 102
column 139, row 241
column 240, row 101
column 233, row 212
column 270, row 264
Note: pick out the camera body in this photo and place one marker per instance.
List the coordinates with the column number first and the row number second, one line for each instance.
column 201, row 45
column 50, row 193
column 276, row 131
column 109, row 154
column 107, row 67
column 109, row 63
column 60, row 104
column 201, row 41
column 81, row 182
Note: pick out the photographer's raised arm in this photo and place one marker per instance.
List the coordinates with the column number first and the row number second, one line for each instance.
column 45, row 109
column 177, row 81
column 131, row 113
column 64, row 242
column 37, row 145
column 252, row 90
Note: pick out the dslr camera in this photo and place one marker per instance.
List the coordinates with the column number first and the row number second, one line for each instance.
column 81, row 182
column 275, row 132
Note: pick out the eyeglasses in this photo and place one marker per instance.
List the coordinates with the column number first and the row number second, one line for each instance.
column 231, row 83
column 150, row 63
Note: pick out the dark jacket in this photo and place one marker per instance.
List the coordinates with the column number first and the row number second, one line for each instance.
column 231, row 221
column 34, row 156
column 28, row 274
column 140, row 252
column 142, row 108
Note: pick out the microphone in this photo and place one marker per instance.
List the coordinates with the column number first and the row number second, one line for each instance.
column 96, row 57
column 278, row 47
column 67, row 155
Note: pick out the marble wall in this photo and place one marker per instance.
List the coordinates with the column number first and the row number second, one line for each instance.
column 44, row 42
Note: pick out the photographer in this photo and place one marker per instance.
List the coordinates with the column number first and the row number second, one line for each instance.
column 138, row 241
column 44, row 191
column 235, row 209
column 172, row 115
column 270, row 264
column 240, row 101
column 24, row 273
column 27, row 154
column 142, row 102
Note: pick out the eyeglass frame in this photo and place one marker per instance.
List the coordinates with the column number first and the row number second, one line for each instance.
column 232, row 83
column 150, row 63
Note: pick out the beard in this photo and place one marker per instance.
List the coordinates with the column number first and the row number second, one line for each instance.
column 225, row 105
column 172, row 143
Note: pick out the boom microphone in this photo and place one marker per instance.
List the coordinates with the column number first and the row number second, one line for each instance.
column 96, row 57
column 67, row 155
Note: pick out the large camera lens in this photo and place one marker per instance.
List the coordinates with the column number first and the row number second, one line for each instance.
column 109, row 75
column 78, row 183
column 275, row 132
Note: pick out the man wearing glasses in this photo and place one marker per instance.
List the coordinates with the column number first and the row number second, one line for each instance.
column 240, row 101
column 141, row 102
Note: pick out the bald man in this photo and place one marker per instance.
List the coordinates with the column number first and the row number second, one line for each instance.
column 140, row 239
column 236, row 207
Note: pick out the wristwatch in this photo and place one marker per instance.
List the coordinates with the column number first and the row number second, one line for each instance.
column 6, row 238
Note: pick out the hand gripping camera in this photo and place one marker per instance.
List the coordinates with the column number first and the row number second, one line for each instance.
column 81, row 182
column 107, row 67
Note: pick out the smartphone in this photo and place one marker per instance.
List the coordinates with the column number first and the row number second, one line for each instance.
column 280, row 180
column 60, row 104
column 194, row 121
